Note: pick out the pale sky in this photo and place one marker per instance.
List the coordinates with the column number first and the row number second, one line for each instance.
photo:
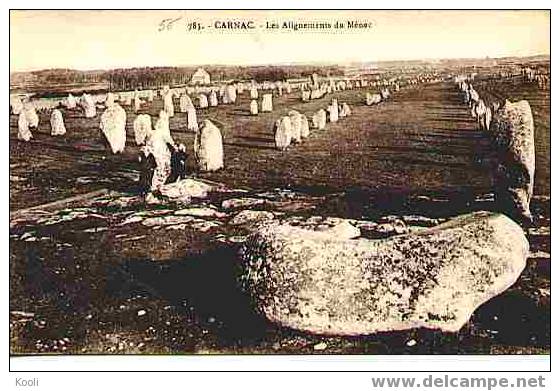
column 109, row 39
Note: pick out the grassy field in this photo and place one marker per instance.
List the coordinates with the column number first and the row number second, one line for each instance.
column 82, row 283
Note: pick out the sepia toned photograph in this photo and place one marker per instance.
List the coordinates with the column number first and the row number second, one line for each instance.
column 279, row 182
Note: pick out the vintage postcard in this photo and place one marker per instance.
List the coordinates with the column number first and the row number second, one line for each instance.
column 279, row 182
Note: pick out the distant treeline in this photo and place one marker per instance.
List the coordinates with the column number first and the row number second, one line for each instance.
column 156, row 77
column 67, row 76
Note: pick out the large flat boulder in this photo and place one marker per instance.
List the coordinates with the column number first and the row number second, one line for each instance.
column 513, row 130
column 327, row 283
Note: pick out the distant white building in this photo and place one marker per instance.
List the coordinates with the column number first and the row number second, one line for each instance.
column 200, row 77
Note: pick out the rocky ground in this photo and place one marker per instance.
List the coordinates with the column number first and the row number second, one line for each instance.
column 112, row 273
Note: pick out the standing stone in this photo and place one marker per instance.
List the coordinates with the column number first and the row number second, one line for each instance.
column 109, row 99
column 316, row 94
column 137, row 104
column 514, row 134
column 89, row 106
column 142, row 128
column 57, row 123
column 70, row 102
column 213, row 100
column 266, row 104
column 466, row 96
column 113, row 123
column 315, row 79
column 23, row 128
column 304, row 126
column 184, row 103
column 150, row 95
column 225, row 99
column 168, row 104
column 474, row 97
column 333, row 111
column 283, row 133
column 192, row 122
column 231, row 94
column 295, row 119
column 254, row 107
column 319, row 120
column 385, row 93
column 162, row 126
column 162, row 129
column 31, row 116
column 325, row 283
column 345, row 110
column 208, row 148
column 202, row 101
column 487, row 118
column 372, row 99
column 16, row 105
column 480, row 113
column 254, row 93
column 127, row 99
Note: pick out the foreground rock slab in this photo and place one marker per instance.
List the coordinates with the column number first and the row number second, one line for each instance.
column 186, row 189
column 323, row 283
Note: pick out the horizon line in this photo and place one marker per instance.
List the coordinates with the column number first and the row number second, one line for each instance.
column 297, row 63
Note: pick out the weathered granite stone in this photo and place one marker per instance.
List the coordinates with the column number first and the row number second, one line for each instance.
column 243, row 202
column 514, row 134
column 251, row 216
column 208, row 148
column 186, row 189
column 321, row 283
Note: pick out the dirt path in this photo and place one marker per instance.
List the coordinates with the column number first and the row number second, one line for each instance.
column 420, row 141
